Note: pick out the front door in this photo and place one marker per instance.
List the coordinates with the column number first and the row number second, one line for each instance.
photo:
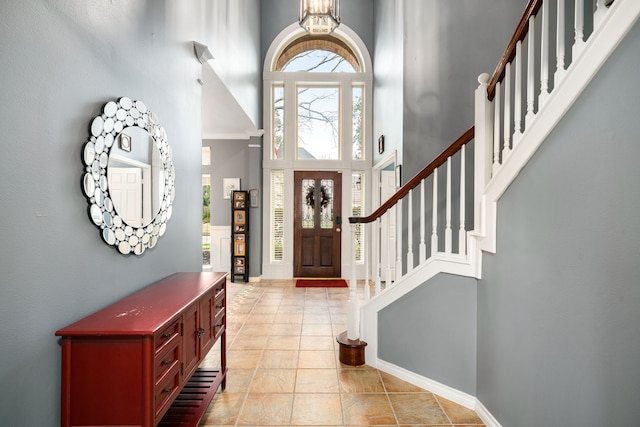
column 317, row 224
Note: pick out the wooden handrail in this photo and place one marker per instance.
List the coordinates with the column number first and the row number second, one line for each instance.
column 417, row 179
column 521, row 31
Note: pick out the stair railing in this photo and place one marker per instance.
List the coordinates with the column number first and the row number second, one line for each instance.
column 507, row 105
column 440, row 191
column 527, row 73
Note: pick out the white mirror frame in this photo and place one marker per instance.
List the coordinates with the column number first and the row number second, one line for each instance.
column 105, row 130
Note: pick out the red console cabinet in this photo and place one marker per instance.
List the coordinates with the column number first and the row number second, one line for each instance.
column 125, row 364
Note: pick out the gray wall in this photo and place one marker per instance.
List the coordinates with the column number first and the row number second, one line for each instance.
column 447, row 45
column 231, row 30
column 431, row 331
column 235, row 159
column 387, row 101
column 60, row 62
column 559, row 305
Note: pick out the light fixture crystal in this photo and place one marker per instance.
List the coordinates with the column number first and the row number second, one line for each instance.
column 319, row 16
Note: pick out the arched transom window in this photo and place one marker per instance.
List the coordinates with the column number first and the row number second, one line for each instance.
column 317, row 117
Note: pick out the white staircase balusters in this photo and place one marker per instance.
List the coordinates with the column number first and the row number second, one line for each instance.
column 506, row 147
column 410, row 232
column 517, row 107
column 462, row 233
column 578, row 43
column 498, row 156
column 496, row 128
column 434, row 215
column 531, row 67
column 560, row 41
column 601, row 10
column 544, row 55
column 447, row 231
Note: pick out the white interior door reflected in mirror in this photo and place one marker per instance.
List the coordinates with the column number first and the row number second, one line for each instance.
column 129, row 176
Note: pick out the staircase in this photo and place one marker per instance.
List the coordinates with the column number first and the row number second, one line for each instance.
column 446, row 216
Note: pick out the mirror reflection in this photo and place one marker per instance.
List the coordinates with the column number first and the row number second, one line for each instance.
column 136, row 177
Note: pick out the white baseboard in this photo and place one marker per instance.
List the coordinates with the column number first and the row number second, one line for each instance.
column 435, row 387
column 486, row 416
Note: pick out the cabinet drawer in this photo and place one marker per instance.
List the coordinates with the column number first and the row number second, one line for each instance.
column 218, row 323
column 166, row 360
column 167, row 336
column 218, row 290
column 218, row 307
column 166, row 390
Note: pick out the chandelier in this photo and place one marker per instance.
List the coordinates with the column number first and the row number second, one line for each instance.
column 319, row 16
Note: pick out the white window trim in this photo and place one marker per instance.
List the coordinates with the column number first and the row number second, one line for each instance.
column 290, row 80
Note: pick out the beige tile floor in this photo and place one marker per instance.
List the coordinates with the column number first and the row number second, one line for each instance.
column 284, row 368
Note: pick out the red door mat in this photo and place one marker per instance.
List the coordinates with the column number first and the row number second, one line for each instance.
column 321, row 283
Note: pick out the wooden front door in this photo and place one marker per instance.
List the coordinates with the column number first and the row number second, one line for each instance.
column 317, row 224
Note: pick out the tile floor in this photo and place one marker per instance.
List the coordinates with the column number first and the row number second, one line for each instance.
column 284, row 368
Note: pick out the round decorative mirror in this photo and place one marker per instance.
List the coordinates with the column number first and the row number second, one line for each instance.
column 129, row 176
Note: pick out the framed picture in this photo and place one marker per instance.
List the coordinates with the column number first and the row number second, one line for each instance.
column 239, row 269
column 125, row 142
column 239, row 204
column 228, row 185
column 238, row 218
column 253, row 197
column 238, row 248
column 239, row 196
column 238, row 228
column 239, row 237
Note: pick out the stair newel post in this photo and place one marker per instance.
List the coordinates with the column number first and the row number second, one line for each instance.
column 376, row 253
column 353, row 309
column 422, row 252
column 448, row 242
column 483, row 145
column 351, row 348
column 410, row 232
column 365, row 255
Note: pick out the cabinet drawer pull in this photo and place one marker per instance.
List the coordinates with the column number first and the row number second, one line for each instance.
column 167, row 336
column 167, row 390
column 167, row 362
column 200, row 332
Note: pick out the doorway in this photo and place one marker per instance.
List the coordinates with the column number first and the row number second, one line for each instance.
column 317, row 223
